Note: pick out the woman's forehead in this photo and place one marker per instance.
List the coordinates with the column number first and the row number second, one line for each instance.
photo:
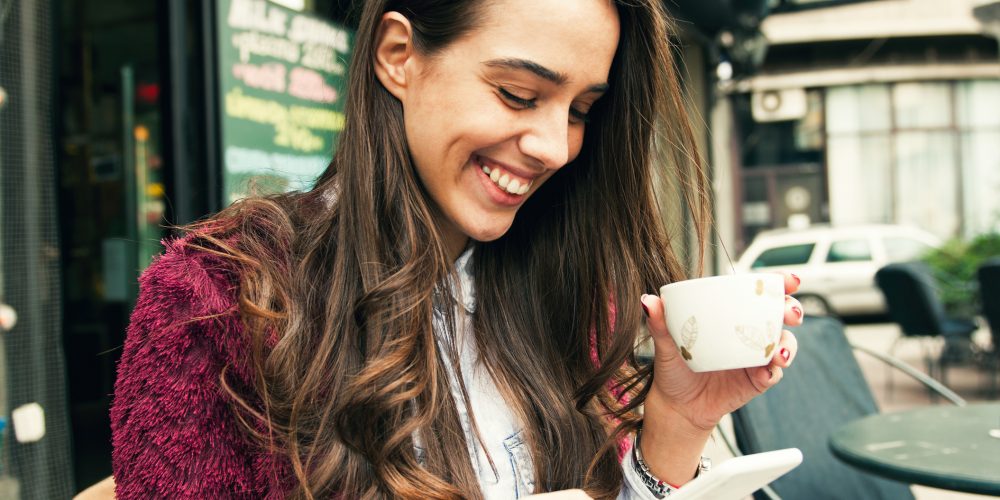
column 576, row 39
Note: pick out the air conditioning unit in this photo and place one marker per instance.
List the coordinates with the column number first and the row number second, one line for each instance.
column 778, row 105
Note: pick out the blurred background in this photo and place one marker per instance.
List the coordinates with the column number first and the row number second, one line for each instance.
column 842, row 135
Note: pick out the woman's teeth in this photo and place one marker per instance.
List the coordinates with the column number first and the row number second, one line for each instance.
column 512, row 186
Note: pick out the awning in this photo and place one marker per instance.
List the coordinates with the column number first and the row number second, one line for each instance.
column 877, row 19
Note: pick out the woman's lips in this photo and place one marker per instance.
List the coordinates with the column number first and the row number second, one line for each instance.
column 504, row 178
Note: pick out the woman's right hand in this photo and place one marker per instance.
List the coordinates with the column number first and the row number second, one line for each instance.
column 563, row 495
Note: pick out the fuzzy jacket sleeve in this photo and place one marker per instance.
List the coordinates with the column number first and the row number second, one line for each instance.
column 173, row 432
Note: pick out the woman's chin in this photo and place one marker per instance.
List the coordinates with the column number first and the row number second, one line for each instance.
column 490, row 231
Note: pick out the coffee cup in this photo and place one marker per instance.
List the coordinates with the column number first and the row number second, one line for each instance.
column 726, row 322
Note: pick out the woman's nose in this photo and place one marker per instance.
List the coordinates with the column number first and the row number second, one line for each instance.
column 547, row 140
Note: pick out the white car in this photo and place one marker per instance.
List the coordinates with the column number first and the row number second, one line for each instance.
column 837, row 264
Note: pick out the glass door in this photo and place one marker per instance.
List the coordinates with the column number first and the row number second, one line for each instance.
column 112, row 198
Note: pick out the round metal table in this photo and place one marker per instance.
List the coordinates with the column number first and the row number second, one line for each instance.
column 949, row 447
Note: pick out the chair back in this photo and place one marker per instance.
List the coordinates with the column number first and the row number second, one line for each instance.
column 824, row 390
column 911, row 298
column 989, row 294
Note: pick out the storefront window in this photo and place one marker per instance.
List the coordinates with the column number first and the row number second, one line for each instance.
column 921, row 105
column 979, row 128
column 926, row 182
column 859, row 154
column 858, row 109
column 926, row 176
column 936, row 144
column 859, row 168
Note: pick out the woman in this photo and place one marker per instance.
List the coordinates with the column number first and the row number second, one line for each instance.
column 450, row 312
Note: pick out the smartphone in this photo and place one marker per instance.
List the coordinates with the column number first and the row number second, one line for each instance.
column 739, row 477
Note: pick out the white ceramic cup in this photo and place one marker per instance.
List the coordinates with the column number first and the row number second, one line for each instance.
column 726, row 322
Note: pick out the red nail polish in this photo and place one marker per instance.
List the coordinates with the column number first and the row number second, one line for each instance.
column 784, row 353
column 798, row 311
column 798, row 281
column 645, row 309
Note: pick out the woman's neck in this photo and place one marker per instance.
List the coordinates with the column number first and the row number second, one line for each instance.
column 453, row 238
column 455, row 244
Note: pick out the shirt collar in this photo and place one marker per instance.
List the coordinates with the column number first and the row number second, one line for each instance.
column 466, row 292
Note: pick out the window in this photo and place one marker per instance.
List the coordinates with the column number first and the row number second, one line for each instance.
column 859, row 154
column 784, row 256
column 785, row 142
column 904, row 249
column 849, row 251
column 919, row 153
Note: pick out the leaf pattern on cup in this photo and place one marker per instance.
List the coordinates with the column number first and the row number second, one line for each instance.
column 768, row 349
column 760, row 287
column 689, row 335
column 757, row 338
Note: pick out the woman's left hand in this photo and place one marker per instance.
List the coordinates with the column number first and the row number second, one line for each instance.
column 704, row 398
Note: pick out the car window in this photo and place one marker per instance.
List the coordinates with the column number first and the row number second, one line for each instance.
column 899, row 249
column 784, row 256
column 849, row 251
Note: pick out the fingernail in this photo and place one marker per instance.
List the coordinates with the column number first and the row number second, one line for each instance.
column 798, row 311
column 798, row 281
column 645, row 309
column 784, row 353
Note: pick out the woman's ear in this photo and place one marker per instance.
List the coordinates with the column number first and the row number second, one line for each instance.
column 393, row 48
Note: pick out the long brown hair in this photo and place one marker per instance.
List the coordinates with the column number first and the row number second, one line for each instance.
column 338, row 286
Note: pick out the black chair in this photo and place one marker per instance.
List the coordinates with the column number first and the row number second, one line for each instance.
column 914, row 304
column 989, row 294
column 824, row 390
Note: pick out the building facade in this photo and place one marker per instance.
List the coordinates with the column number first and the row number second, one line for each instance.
column 868, row 112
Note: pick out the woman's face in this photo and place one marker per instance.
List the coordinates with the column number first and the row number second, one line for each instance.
column 494, row 114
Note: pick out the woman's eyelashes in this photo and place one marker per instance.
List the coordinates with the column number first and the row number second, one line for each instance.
column 517, row 102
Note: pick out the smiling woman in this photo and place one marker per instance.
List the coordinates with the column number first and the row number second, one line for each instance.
column 493, row 115
column 451, row 311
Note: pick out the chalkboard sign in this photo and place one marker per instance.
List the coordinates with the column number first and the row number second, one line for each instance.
column 282, row 76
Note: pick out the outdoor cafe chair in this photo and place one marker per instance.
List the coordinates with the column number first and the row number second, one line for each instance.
column 914, row 304
column 825, row 390
column 989, row 294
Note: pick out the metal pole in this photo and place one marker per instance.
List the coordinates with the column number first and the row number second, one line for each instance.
column 213, row 155
column 179, row 117
column 129, row 170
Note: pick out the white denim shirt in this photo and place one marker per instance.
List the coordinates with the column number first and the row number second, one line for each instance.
column 513, row 474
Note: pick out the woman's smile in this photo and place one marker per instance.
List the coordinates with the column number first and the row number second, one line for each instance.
column 506, row 185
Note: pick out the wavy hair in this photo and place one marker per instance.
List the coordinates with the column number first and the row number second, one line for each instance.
column 338, row 286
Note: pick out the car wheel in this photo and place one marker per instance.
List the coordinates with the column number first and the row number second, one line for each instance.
column 814, row 305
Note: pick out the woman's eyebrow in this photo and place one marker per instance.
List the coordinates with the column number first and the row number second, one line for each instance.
column 540, row 71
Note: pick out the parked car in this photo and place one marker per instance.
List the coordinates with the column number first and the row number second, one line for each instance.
column 837, row 264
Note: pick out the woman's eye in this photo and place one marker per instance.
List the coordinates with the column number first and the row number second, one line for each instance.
column 516, row 101
column 576, row 116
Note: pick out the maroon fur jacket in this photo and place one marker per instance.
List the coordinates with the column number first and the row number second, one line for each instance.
column 173, row 431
